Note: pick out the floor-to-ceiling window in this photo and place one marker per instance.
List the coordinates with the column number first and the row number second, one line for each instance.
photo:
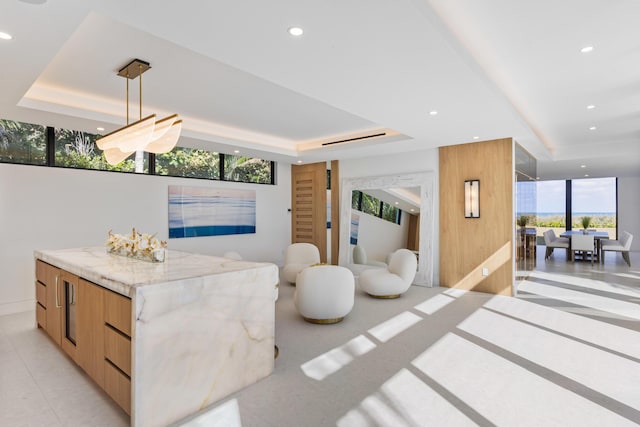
column 595, row 198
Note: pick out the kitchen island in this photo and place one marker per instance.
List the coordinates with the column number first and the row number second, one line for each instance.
column 166, row 339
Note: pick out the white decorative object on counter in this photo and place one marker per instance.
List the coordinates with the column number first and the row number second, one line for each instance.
column 137, row 245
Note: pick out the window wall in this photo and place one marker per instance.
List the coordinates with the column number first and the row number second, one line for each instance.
column 595, row 198
column 26, row 143
column 368, row 204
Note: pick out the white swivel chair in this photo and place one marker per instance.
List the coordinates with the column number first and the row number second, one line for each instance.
column 552, row 242
column 324, row 293
column 582, row 243
column 622, row 245
column 392, row 281
column 298, row 257
column 360, row 257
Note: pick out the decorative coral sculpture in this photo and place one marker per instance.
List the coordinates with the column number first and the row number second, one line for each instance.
column 137, row 245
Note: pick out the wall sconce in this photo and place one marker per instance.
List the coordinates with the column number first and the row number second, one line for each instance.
column 472, row 199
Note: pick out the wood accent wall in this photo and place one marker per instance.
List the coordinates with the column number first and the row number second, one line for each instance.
column 413, row 232
column 469, row 244
column 335, row 211
column 309, row 205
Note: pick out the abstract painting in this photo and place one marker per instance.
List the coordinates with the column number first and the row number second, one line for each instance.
column 205, row 211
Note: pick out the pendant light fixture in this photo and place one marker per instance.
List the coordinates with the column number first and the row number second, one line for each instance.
column 146, row 134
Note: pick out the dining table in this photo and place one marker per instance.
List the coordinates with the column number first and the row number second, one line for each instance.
column 597, row 237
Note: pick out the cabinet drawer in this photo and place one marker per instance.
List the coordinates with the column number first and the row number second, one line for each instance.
column 117, row 312
column 117, row 349
column 41, row 316
column 118, row 386
column 41, row 294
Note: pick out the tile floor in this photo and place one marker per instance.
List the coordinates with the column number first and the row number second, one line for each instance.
column 566, row 352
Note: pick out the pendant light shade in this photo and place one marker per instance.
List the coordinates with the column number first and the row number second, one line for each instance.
column 147, row 134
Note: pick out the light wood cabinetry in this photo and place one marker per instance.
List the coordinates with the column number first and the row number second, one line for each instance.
column 91, row 324
column 117, row 349
column 48, row 295
column 68, row 284
column 90, row 348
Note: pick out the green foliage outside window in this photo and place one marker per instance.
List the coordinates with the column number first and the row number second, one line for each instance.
column 75, row 149
column 26, row 143
column 23, row 143
column 246, row 169
column 370, row 205
column 189, row 162
column 390, row 213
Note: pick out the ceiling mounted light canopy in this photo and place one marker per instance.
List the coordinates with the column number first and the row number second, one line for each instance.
column 146, row 134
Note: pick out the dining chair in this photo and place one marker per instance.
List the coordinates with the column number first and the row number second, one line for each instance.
column 582, row 243
column 552, row 242
column 622, row 245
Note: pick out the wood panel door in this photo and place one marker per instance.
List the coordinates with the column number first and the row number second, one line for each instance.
column 309, row 206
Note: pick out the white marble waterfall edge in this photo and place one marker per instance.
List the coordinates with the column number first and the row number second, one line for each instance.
column 199, row 341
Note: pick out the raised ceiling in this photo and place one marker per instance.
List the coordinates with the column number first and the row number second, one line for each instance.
column 490, row 69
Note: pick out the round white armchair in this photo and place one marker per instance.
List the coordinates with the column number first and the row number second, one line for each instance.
column 324, row 293
column 392, row 281
column 298, row 257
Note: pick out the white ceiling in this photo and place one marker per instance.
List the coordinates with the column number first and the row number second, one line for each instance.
column 491, row 68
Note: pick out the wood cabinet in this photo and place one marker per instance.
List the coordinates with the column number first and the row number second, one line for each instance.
column 68, row 284
column 48, row 296
column 90, row 343
column 117, row 348
column 91, row 324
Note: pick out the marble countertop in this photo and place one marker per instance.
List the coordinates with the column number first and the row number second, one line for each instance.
column 122, row 275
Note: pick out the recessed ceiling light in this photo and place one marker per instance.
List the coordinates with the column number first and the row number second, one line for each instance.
column 591, row 107
column 433, row 113
column 99, row 129
column 413, row 210
column 537, row 177
column 476, row 137
column 5, row 36
column 593, row 128
column 236, row 151
column 397, row 203
column 586, row 49
column 295, row 31
column 299, row 161
column 586, row 175
column 583, row 166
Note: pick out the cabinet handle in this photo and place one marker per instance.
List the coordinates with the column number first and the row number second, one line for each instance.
column 57, row 298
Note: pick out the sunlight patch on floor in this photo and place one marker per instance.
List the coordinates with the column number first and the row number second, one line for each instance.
column 586, row 283
column 519, row 398
column 621, row 308
column 621, row 340
column 617, row 377
column 394, row 326
column 434, row 304
column 225, row 415
column 337, row 358
column 405, row 400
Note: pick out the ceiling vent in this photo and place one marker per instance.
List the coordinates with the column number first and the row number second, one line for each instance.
column 358, row 138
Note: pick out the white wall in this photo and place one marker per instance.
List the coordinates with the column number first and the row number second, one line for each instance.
column 380, row 237
column 417, row 161
column 629, row 208
column 52, row 208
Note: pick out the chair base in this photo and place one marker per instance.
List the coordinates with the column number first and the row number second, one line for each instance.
column 324, row 321
column 385, row 296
